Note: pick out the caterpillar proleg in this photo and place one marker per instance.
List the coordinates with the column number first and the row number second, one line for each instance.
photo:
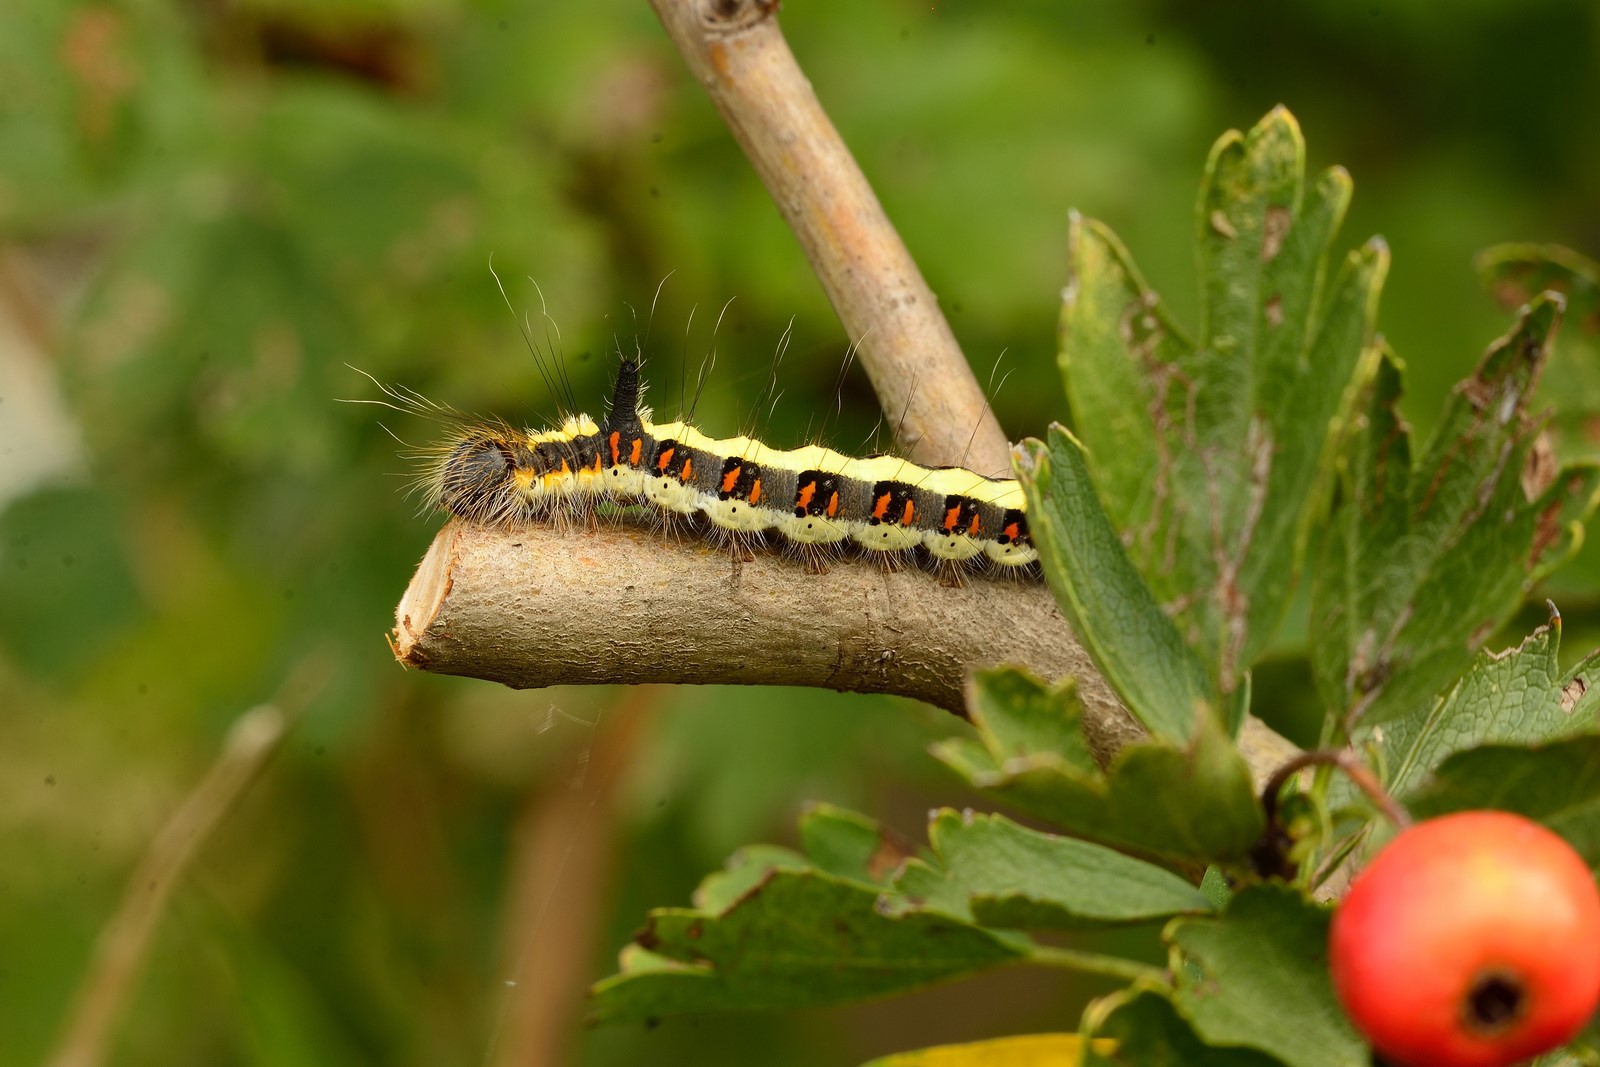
column 811, row 497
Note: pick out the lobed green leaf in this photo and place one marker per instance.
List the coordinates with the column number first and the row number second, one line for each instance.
column 1519, row 696
column 988, row 869
column 847, row 844
column 1423, row 564
column 796, row 938
column 1257, row 977
column 1212, row 454
column 1194, row 801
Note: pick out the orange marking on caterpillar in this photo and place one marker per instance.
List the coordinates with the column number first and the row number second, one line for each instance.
column 974, row 526
column 633, row 453
column 614, row 443
column 1010, row 533
column 802, row 500
column 910, row 513
column 688, row 471
column 664, row 460
column 880, row 506
column 951, row 517
column 755, row 491
column 833, row 504
column 731, row 479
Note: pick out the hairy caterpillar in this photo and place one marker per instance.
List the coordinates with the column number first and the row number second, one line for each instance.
column 816, row 499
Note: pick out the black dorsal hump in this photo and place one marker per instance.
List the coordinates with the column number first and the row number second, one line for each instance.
column 624, row 413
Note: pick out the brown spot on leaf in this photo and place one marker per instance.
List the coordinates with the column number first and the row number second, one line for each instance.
column 1275, row 229
column 1220, row 223
column 885, row 858
column 1275, row 311
column 1538, row 468
column 1546, row 532
column 1477, row 392
column 1573, row 692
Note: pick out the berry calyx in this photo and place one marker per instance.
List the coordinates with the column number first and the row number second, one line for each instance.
column 1473, row 940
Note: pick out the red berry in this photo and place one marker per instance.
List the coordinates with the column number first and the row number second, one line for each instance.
column 1473, row 940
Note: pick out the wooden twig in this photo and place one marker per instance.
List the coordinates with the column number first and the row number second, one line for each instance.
column 542, row 606
column 620, row 603
column 736, row 50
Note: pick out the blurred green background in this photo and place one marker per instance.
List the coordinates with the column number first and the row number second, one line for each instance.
column 208, row 209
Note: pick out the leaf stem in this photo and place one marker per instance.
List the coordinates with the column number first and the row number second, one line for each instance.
column 1354, row 769
column 1097, row 963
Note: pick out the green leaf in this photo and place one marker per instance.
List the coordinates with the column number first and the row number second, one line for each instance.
column 990, row 870
column 1557, row 784
column 1143, row 1029
column 1196, row 801
column 1016, row 715
column 744, row 870
column 1519, row 696
column 1215, row 888
column 1112, row 610
column 846, row 844
column 1023, row 1050
column 797, row 938
column 1422, row 565
column 1263, row 980
column 1211, row 454
column 1517, row 274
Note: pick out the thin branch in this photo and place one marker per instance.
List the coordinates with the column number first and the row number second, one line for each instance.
column 1354, row 768
column 121, row 948
column 623, row 604
column 736, row 50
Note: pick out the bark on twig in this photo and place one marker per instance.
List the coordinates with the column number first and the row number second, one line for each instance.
column 736, row 51
column 620, row 603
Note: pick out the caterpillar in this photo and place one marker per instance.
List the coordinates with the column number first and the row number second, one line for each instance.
column 816, row 500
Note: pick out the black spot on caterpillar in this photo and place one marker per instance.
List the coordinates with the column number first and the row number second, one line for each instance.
column 812, row 498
